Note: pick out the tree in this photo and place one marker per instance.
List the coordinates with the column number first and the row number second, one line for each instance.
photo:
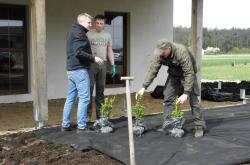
column 225, row 39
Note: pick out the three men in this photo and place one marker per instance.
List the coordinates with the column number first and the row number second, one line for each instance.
column 86, row 59
column 181, row 80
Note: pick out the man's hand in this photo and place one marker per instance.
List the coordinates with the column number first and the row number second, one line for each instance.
column 113, row 70
column 140, row 93
column 182, row 98
column 98, row 60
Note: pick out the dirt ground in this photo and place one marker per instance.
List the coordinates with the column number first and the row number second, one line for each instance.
column 25, row 148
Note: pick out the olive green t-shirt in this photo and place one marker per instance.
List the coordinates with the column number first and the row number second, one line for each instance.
column 99, row 42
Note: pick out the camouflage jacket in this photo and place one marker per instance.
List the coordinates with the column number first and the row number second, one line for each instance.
column 181, row 64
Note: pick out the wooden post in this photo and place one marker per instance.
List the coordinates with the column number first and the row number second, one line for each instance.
column 39, row 68
column 130, row 122
column 197, row 19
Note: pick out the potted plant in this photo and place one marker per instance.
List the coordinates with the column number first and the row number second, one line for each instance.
column 175, row 124
column 103, row 125
column 177, row 111
column 138, row 109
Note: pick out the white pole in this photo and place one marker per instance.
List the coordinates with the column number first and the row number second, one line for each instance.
column 130, row 123
column 243, row 96
column 219, row 85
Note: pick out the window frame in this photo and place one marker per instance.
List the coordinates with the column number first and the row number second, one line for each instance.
column 11, row 91
column 125, row 45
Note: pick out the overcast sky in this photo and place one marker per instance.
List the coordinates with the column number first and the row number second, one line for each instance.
column 216, row 13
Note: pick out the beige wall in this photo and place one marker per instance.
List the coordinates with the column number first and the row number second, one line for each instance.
column 149, row 21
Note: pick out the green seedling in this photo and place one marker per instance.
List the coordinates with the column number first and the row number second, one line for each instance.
column 177, row 112
column 138, row 110
column 106, row 107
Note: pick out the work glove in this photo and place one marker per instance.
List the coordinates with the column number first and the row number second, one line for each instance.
column 113, row 70
column 140, row 93
column 182, row 98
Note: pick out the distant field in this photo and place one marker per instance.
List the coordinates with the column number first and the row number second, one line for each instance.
column 226, row 67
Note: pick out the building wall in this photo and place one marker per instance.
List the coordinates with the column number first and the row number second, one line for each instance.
column 149, row 20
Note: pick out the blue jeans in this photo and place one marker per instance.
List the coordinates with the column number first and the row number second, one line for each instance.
column 78, row 84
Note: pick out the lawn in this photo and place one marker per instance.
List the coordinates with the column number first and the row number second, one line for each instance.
column 226, row 67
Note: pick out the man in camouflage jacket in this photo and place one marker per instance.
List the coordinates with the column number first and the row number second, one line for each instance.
column 181, row 80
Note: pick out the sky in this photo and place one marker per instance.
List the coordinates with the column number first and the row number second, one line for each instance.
column 220, row 14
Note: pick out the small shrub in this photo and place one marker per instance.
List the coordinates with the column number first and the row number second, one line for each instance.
column 106, row 107
column 138, row 110
column 177, row 112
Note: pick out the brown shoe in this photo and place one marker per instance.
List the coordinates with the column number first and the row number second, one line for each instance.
column 199, row 131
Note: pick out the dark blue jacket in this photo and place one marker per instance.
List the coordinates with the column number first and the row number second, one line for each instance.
column 78, row 48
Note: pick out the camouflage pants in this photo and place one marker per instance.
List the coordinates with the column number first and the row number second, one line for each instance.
column 173, row 88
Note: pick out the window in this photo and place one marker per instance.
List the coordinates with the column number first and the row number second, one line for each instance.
column 116, row 25
column 13, row 56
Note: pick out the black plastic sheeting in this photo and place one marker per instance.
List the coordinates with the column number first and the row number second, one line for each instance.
column 230, row 91
column 213, row 95
column 229, row 87
column 158, row 92
column 227, row 140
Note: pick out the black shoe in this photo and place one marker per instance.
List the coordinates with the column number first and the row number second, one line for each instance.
column 63, row 129
column 80, row 130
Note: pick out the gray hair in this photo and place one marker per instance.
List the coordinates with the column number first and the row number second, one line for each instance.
column 82, row 17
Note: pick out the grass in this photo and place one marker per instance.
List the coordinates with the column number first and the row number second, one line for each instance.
column 226, row 67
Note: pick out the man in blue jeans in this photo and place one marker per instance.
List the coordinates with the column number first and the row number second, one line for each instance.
column 79, row 57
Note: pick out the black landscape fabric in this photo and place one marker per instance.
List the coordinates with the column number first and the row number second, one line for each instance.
column 227, row 140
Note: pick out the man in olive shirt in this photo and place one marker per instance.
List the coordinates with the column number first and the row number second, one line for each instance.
column 101, row 45
column 181, row 80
